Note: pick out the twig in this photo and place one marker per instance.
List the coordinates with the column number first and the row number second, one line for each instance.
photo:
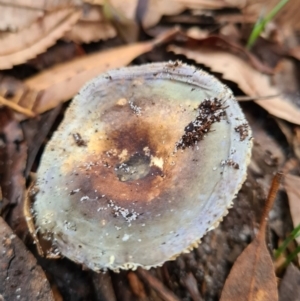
column 252, row 98
column 16, row 107
column 155, row 284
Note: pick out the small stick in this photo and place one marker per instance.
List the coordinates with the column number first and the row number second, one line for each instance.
column 16, row 107
column 252, row 98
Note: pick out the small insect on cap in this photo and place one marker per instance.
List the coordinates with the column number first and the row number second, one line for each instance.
column 145, row 162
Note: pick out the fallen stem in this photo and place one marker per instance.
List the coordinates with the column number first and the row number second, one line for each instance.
column 16, row 107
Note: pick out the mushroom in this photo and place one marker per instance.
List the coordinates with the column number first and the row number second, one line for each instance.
column 146, row 161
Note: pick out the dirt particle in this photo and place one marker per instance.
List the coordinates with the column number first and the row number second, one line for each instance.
column 74, row 191
column 128, row 215
column 78, row 140
column 243, row 130
column 137, row 110
column 230, row 162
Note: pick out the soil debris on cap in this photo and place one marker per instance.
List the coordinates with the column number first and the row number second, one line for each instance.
column 210, row 111
column 243, row 130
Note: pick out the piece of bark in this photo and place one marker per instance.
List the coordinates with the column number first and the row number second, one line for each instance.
column 20, row 276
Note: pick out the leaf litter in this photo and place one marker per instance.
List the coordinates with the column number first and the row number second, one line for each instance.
column 21, row 277
column 199, row 275
column 31, row 41
column 258, row 281
column 47, row 89
column 252, row 82
column 289, row 289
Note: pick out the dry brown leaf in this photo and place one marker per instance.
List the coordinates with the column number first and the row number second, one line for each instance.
column 45, row 4
column 219, row 42
column 60, row 83
column 91, row 13
column 123, row 18
column 50, row 85
column 122, row 15
column 157, row 8
column 15, row 15
column 87, row 32
column 15, row 18
column 287, row 16
column 20, row 276
column 126, row 7
column 18, row 47
column 91, row 27
column 292, row 187
column 296, row 142
column 39, row 92
column 295, row 52
column 94, row 2
column 211, row 4
column 197, row 33
column 252, row 277
column 252, row 10
column 289, row 289
column 252, row 82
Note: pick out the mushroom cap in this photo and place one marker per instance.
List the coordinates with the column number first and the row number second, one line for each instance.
column 116, row 188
